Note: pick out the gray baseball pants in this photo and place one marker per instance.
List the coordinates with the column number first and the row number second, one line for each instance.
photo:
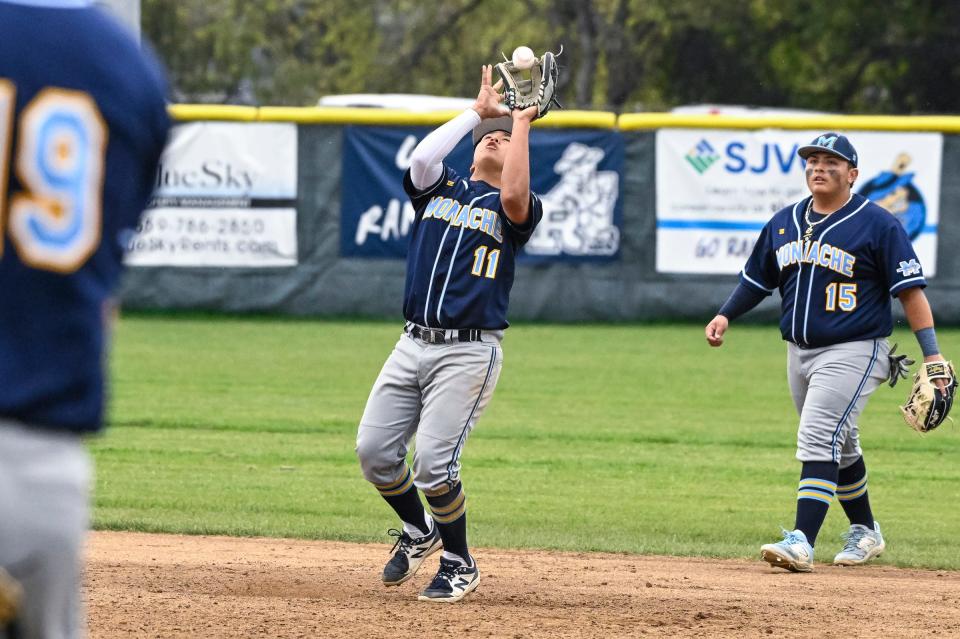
column 435, row 393
column 44, row 514
column 830, row 388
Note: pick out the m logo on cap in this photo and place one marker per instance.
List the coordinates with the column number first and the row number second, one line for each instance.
column 830, row 142
column 826, row 142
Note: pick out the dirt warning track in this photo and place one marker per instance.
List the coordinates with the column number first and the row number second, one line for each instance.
column 145, row 585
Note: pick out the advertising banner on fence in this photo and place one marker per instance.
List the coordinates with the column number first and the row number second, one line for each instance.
column 577, row 173
column 717, row 188
column 226, row 197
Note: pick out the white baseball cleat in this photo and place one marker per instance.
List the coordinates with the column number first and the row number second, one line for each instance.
column 410, row 553
column 793, row 553
column 862, row 545
column 453, row 582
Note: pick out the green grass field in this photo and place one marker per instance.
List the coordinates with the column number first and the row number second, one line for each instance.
column 633, row 438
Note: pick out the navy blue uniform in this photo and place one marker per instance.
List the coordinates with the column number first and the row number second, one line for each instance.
column 837, row 287
column 82, row 124
column 836, row 274
column 439, row 380
column 462, row 255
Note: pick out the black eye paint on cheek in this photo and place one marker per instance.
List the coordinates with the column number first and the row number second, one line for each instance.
column 809, row 173
column 833, row 173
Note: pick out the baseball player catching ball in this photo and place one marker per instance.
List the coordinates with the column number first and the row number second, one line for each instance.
column 836, row 259
column 442, row 372
column 82, row 124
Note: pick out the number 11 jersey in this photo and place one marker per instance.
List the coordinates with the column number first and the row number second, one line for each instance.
column 462, row 254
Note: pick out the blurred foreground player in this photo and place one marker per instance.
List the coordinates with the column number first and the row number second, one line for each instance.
column 82, row 124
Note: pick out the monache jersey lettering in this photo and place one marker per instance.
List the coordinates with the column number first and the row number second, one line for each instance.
column 457, row 214
column 826, row 256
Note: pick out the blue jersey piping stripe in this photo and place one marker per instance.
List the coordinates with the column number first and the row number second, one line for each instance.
column 466, row 424
column 446, row 281
column 813, row 266
column 426, row 304
column 754, row 282
column 796, row 291
column 835, row 454
column 426, row 308
column 902, row 282
column 453, row 259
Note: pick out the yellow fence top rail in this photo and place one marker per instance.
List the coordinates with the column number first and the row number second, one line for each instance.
column 212, row 112
column 569, row 119
column 384, row 117
column 937, row 123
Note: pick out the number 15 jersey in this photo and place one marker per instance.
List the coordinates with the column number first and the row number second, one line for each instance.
column 462, row 254
column 836, row 279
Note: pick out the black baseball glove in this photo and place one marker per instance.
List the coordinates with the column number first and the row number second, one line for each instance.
column 899, row 366
column 535, row 86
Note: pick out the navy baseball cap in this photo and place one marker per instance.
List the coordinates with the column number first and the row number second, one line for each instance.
column 832, row 143
column 490, row 125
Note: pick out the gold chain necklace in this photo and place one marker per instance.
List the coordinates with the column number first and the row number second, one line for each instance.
column 808, row 233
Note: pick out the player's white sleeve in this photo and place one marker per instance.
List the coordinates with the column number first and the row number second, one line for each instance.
column 426, row 161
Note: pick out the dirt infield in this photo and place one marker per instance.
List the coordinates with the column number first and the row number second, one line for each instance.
column 141, row 585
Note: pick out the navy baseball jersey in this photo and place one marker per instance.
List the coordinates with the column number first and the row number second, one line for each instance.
column 837, row 286
column 82, row 124
column 462, row 254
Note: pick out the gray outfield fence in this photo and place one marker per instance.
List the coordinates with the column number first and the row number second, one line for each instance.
column 625, row 287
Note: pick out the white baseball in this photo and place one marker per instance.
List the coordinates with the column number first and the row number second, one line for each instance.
column 523, row 57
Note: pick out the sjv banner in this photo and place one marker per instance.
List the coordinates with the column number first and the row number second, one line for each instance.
column 577, row 173
column 717, row 188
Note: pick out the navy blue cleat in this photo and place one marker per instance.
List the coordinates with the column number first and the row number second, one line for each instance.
column 453, row 582
column 410, row 553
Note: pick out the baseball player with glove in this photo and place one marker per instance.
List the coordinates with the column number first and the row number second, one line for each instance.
column 82, row 124
column 836, row 259
column 436, row 383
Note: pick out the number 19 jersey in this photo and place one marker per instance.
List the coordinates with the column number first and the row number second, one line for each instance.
column 462, row 254
column 82, row 124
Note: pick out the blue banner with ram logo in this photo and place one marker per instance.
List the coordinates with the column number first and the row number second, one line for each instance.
column 576, row 172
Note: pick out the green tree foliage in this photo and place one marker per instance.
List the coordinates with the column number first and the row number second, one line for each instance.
column 265, row 52
column 861, row 56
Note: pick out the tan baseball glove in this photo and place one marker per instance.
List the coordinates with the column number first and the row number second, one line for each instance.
column 927, row 406
column 535, row 86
